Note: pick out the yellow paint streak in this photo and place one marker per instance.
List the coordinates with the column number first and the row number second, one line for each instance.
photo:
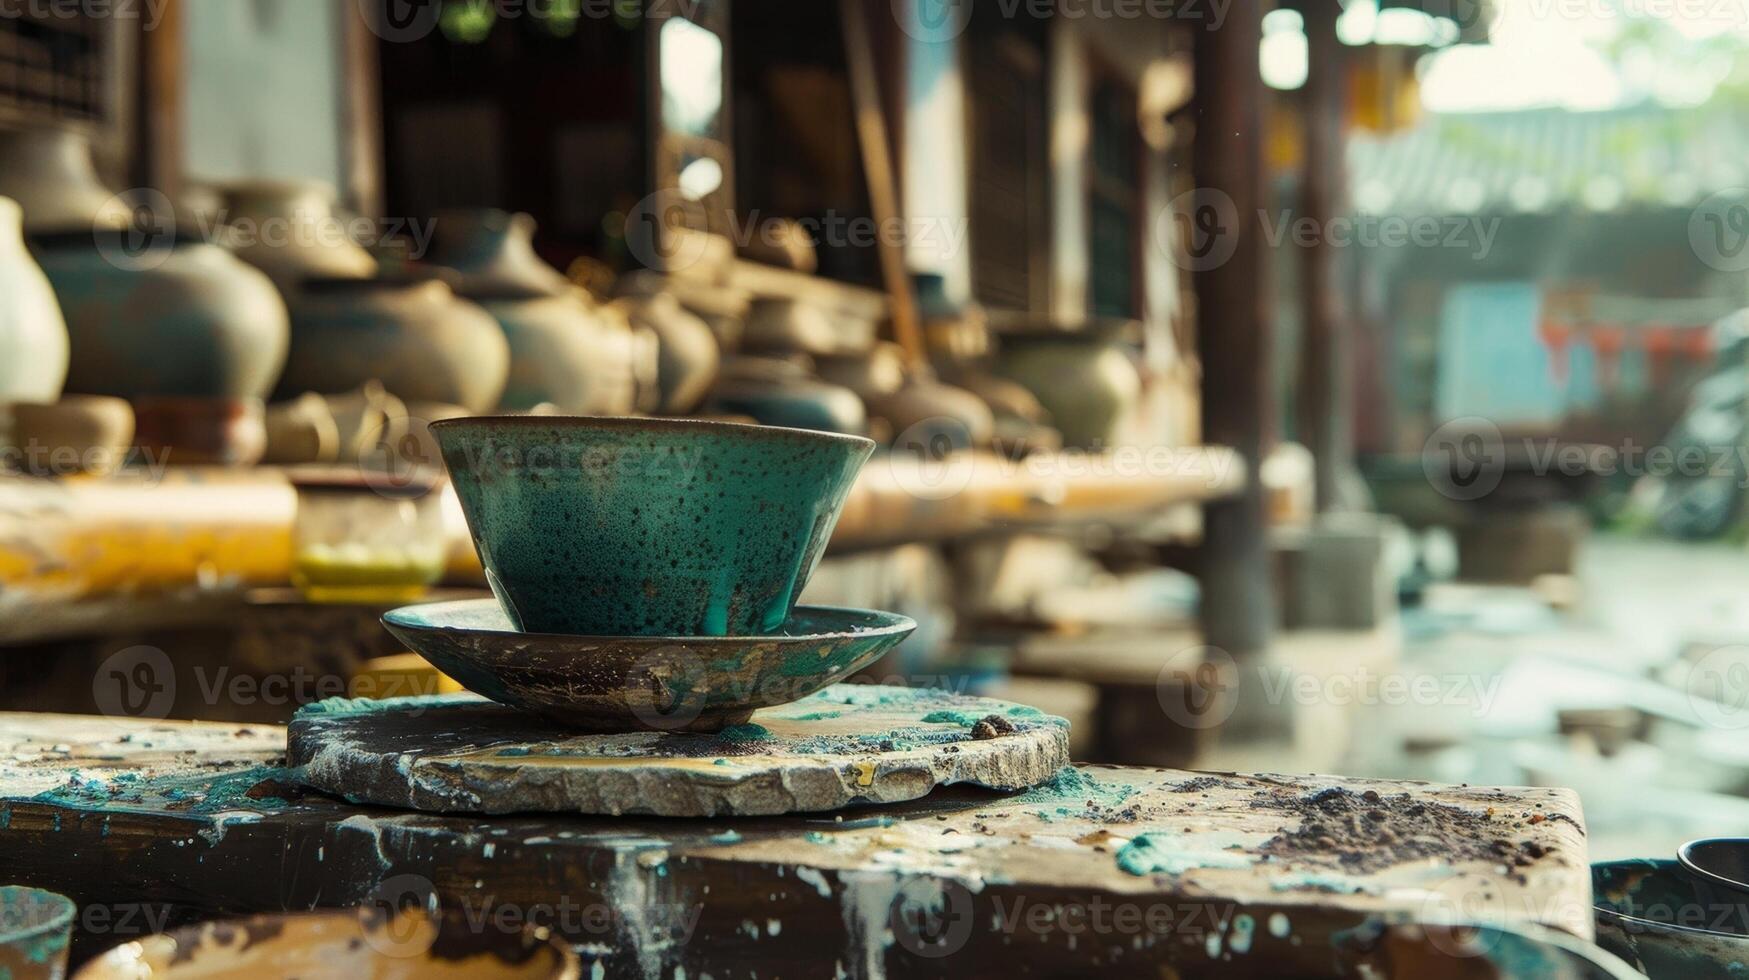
column 87, row 536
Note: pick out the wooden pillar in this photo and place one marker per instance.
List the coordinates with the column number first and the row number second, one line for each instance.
column 159, row 101
column 1326, row 415
column 361, row 115
column 1234, row 328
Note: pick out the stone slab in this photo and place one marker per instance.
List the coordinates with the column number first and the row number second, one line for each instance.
column 850, row 744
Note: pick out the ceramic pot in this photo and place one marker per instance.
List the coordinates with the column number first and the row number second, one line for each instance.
column 687, row 352
column 564, row 349
column 879, row 371
column 301, row 431
column 493, row 251
column 1087, row 385
column 567, row 352
column 78, row 434
column 414, row 335
column 779, row 392
column 49, row 172
column 201, row 431
column 647, row 527
column 789, row 325
column 929, row 416
column 288, row 230
column 33, row 337
column 182, row 318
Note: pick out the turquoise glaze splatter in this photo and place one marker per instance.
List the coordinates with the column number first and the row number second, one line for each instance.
column 1170, row 854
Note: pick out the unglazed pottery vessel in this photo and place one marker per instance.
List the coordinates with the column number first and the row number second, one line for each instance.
column 33, row 337
column 776, row 391
column 78, row 434
column 647, row 527
column 1087, row 384
column 626, row 683
column 149, row 311
column 289, row 231
column 687, row 351
column 181, row 317
column 414, row 335
column 493, row 251
column 367, row 944
column 34, row 928
column 49, row 171
column 564, row 349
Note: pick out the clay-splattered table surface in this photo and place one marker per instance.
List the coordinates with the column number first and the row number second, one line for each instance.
column 1133, row 869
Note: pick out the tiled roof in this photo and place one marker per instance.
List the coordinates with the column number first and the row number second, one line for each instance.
column 1550, row 160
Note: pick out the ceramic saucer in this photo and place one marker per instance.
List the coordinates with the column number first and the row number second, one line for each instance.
column 628, row 683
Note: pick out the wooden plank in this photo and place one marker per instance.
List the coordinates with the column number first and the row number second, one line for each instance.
column 192, row 821
column 883, row 185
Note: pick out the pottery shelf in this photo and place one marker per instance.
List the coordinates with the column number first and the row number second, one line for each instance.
column 83, row 555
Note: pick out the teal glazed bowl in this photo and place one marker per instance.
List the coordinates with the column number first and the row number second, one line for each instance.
column 647, row 527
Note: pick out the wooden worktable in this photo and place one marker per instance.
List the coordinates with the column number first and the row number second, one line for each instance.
column 1138, row 870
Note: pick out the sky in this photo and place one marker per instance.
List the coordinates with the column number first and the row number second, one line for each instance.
column 1541, row 52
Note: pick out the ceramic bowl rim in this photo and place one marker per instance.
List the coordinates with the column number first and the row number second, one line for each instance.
column 634, row 422
column 62, row 910
column 1685, row 859
column 1666, row 866
column 899, row 623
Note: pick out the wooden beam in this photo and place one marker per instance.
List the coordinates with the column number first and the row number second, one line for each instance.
column 883, row 185
column 160, row 110
column 361, row 114
column 1235, row 333
column 1326, row 413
